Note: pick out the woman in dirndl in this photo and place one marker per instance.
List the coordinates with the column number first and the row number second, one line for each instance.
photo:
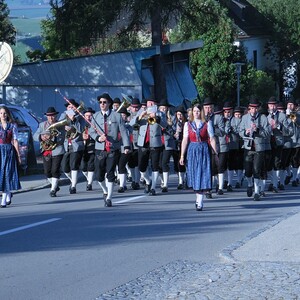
column 198, row 136
column 9, row 156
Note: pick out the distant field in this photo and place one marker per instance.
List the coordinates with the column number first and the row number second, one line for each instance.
column 27, row 26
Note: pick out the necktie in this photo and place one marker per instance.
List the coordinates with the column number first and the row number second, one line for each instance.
column 147, row 138
column 107, row 143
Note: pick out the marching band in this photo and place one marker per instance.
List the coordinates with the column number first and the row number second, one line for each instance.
column 128, row 141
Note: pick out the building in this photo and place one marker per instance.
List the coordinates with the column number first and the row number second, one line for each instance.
column 33, row 85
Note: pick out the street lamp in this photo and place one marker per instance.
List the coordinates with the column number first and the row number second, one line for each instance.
column 238, row 69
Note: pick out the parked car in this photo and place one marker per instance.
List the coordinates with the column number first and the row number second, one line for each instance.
column 24, row 118
column 27, row 125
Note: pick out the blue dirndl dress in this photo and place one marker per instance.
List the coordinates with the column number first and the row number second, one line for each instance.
column 9, row 176
column 198, row 158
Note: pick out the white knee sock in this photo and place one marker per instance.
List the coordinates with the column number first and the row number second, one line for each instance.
column 74, row 176
column 199, row 199
column 166, row 178
column 180, row 177
column 90, row 177
column 54, row 183
column 4, row 198
column 122, row 180
column 256, row 185
column 110, row 186
column 154, row 179
column 221, row 180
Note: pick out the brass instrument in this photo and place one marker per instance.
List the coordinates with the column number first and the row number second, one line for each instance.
column 151, row 121
column 50, row 143
column 126, row 102
column 293, row 117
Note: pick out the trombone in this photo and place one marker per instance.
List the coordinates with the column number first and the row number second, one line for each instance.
column 126, row 102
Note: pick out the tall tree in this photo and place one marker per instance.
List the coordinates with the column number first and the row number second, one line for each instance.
column 284, row 15
column 7, row 30
column 212, row 65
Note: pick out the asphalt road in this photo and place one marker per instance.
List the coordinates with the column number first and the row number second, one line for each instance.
column 72, row 247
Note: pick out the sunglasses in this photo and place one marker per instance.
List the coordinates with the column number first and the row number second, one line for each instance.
column 102, row 102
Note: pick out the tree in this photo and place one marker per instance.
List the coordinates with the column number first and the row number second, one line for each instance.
column 77, row 24
column 7, row 30
column 212, row 65
column 283, row 16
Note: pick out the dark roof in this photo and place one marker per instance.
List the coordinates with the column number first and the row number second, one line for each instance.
column 247, row 18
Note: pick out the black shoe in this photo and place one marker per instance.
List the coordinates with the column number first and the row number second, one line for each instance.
column 262, row 194
column 256, row 197
column 208, row 195
column 3, row 206
column 225, row 184
column 107, row 203
column 135, row 185
column 73, row 190
column 164, row 189
column 229, row 188
column 121, row 190
column 147, row 188
column 152, row 192
column 237, row 185
column 249, row 191
column 220, row 192
column 294, row 183
column 180, row 187
column 89, row 187
column 217, row 188
column 270, row 188
column 288, row 179
column 52, row 193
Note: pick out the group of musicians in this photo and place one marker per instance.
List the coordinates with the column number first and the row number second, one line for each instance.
column 136, row 141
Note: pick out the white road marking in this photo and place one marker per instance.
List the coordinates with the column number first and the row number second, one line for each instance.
column 129, row 199
column 29, row 226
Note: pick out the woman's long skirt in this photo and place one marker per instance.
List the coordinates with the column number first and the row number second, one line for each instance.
column 198, row 166
column 9, row 176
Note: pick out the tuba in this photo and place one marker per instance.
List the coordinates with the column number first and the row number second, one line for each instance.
column 52, row 131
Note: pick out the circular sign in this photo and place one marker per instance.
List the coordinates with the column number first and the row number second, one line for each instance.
column 6, row 60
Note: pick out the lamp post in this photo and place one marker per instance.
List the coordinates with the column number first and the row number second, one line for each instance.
column 238, row 69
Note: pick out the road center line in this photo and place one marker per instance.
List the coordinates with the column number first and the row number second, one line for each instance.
column 130, row 199
column 29, row 226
